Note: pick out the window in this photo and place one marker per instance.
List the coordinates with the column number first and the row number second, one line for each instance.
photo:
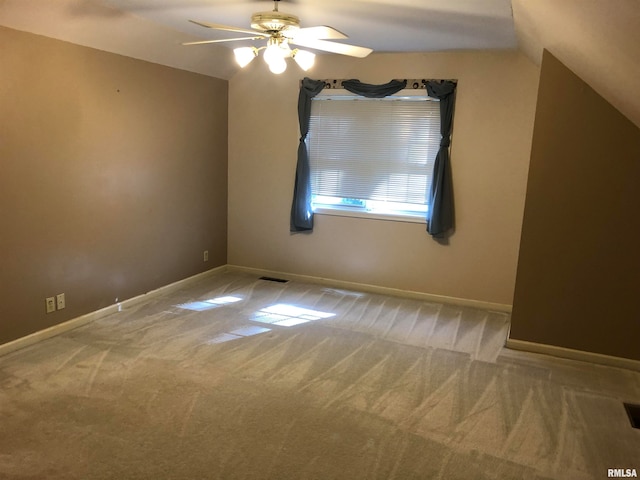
column 373, row 157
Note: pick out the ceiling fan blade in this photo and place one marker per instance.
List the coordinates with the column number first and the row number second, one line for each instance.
column 203, row 42
column 333, row 47
column 320, row 32
column 228, row 28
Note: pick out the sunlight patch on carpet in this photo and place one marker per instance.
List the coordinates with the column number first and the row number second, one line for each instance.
column 287, row 315
column 200, row 306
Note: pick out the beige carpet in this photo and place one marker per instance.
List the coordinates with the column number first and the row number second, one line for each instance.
column 241, row 378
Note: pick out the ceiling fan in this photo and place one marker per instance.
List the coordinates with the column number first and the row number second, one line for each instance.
column 280, row 30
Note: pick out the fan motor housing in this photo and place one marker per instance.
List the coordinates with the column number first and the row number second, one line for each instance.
column 274, row 21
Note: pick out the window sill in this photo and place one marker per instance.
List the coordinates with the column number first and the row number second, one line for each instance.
column 392, row 217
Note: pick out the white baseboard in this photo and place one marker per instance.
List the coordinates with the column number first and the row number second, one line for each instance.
column 569, row 353
column 103, row 312
column 363, row 287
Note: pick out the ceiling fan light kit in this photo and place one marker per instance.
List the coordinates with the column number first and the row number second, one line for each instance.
column 280, row 30
column 275, row 55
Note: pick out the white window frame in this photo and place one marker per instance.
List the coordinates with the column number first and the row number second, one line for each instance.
column 373, row 209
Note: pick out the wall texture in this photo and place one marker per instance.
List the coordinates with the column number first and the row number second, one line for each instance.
column 578, row 276
column 113, row 175
column 490, row 154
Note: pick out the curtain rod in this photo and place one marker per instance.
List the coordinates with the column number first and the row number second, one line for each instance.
column 412, row 83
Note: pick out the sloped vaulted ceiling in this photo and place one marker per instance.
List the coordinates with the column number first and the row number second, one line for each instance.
column 599, row 40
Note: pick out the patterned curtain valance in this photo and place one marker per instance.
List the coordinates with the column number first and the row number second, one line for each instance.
column 412, row 83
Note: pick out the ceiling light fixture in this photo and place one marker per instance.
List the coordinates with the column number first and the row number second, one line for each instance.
column 244, row 55
column 303, row 58
column 275, row 54
column 280, row 29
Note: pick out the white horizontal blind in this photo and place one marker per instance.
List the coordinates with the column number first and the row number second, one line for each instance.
column 373, row 149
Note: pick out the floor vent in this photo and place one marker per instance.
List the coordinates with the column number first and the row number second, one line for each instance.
column 634, row 414
column 273, row 279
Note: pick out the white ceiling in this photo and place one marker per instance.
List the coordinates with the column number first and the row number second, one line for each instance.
column 598, row 39
column 400, row 26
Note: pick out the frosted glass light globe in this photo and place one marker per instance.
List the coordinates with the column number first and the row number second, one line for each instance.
column 278, row 66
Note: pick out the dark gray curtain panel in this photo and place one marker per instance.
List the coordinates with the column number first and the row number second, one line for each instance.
column 440, row 217
column 301, row 213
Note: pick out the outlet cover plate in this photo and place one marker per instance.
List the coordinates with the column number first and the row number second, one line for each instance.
column 60, row 301
column 51, row 304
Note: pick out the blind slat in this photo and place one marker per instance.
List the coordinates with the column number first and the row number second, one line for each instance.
column 372, row 149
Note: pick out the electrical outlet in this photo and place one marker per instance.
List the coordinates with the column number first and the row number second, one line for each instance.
column 60, row 303
column 51, row 304
column 206, row 255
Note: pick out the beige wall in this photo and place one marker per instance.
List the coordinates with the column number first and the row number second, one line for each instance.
column 490, row 154
column 112, row 178
column 578, row 275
